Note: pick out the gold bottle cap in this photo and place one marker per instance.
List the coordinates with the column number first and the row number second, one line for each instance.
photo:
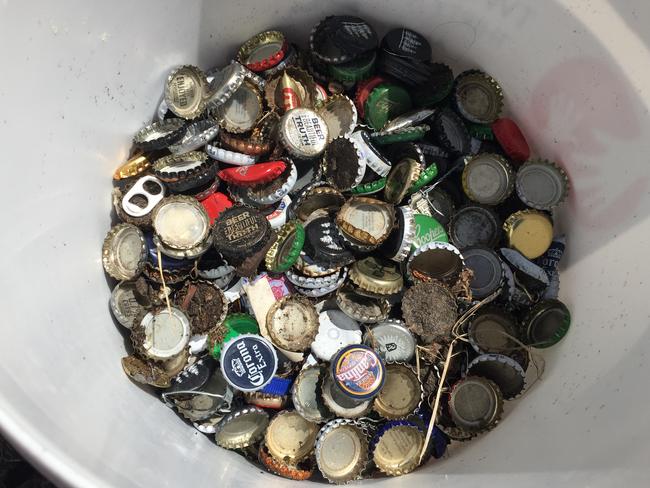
column 298, row 472
column 340, row 115
column 320, row 197
column 241, row 428
column 185, row 91
column 305, row 88
column 488, row 179
column 292, row 323
column 530, row 232
column 377, row 276
column 181, row 222
column 290, row 437
column 341, row 451
column 397, row 451
column 133, row 167
column 366, row 220
column 146, row 373
column 402, row 392
column 401, row 177
column 263, row 51
column 124, row 252
column 241, row 112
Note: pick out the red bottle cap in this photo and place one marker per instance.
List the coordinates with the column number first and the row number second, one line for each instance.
column 511, row 138
column 255, row 174
column 215, row 204
column 363, row 91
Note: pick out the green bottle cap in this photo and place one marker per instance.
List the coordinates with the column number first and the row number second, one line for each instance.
column 427, row 229
column 384, row 103
column 369, row 187
column 425, row 178
column 236, row 324
column 407, row 134
column 547, row 323
column 437, row 88
column 354, row 71
column 481, row 132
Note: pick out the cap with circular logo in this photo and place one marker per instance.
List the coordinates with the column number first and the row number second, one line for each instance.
column 385, row 102
column 159, row 134
column 303, row 133
column 407, row 43
column 341, row 451
column 343, row 164
column 126, row 303
column 335, row 331
column 436, row 261
column 290, row 437
column 487, row 271
column 181, row 223
column 360, row 306
column 451, row 132
column 241, row 112
column 488, row 179
column 377, row 276
column 474, row 225
column 401, row 178
column 402, row 392
column 340, row 115
column 161, row 333
column 225, row 83
column 511, row 139
column 358, row 371
column 547, row 323
column 240, row 232
column 392, row 340
column 255, row 174
column 248, row 362
column 241, row 428
column 292, row 323
column 530, row 232
column 124, row 252
column 185, row 91
column 507, row 373
column 475, row 404
column 366, row 220
column 397, row 447
column 542, row 184
column 478, row 97
column 427, row 230
column 306, row 394
column 263, row 51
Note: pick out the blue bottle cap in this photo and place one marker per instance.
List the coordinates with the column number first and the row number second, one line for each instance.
column 248, row 362
column 167, row 262
column 358, row 371
column 278, row 386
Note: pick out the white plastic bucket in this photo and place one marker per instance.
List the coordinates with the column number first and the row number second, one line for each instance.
column 80, row 77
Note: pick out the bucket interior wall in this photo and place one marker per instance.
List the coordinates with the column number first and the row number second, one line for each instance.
column 79, row 78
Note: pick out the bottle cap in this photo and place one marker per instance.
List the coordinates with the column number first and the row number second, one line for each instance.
column 135, row 166
column 193, row 377
column 267, row 194
column 340, row 116
column 407, row 134
column 145, row 372
column 376, row 161
column 402, row 392
column 429, row 310
column 364, row 88
column 240, row 232
column 361, row 306
column 384, row 103
column 478, row 97
column 317, row 197
column 487, row 271
column 185, row 91
column 310, row 282
column 427, row 230
column 530, row 232
column 377, row 276
column 324, row 244
column 204, row 303
column 407, row 44
column 229, row 157
column 451, row 132
column 436, row 261
column 475, row 404
column 488, row 179
column 182, row 172
column 248, row 362
column 412, row 118
column 225, row 83
column 303, row 133
column 285, row 251
column 400, row 179
column 263, row 51
column 161, row 333
column 124, row 252
column 426, row 177
column 255, row 174
column 196, row 135
column 253, row 145
column 341, row 451
column 547, row 323
column 199, row 405
column 436, row 88
column 490, row 331
column 125, row 303
column 290, row 60
column 181, row 223
column 511, row 139
column 341, row 404
column 352, row 34
column 397, row 448
column 299, row 472
column 140, row 199
column 306, row 394
column 398, row 244
column 215, row 204
column 294, row 82
column 392, row 340
column 355, row 70
column 542, row 184
column 366, row 220
column 323, row 46
column 308, row 267
column 343, row 164
column 233, row 326
column 289, row 437
column 474, row 225
column 322, row 291
column 358, row 371
column 159, row 134
column 241, row 112
column 241, row 428
column 292, row 323
column 507, row 373
column 335, row 331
